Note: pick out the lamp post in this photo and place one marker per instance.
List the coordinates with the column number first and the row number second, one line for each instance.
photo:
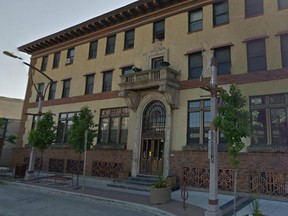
column 30, row 172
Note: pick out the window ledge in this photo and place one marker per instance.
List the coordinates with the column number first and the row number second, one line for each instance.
column 268, row 148
column 110, row 146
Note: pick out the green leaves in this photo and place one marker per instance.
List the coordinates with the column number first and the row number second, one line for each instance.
column 233, row 121
column 44, row 134
column 76, row 134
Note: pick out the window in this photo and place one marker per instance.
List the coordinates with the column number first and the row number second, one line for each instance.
column 256, row 55
column 110, row 46
column 129, row 39
column 269, row 119
column 195, row 20
column 195, row 63
column 282, row 4
column 66, row 88
column 93, row 50
column 220, row 13
column 253, row 8
column 159, row 30
column 127, row 70
column 64, row 124
column 198, row 122
column 156, row 62
column 89, row 84
column 52, row 91
column 44, row 63
column 223, row 57
column 107, row 81
column 113, row 127
column 40, row 91
column 70, row 56
column 56, row 60
column 284, row 50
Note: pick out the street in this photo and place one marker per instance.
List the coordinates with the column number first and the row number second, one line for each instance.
column 17, row 201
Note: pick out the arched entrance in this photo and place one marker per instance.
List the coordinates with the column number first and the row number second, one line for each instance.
column 153, row 138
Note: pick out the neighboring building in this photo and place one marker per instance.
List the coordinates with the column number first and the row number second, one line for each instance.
column 10, row 114
column 155, row 119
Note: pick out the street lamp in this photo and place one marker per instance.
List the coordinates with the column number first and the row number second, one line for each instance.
column 30, row 173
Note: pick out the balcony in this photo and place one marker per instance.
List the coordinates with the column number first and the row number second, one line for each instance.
column 164, row 80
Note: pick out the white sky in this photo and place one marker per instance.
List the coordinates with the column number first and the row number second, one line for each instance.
column 23, row 21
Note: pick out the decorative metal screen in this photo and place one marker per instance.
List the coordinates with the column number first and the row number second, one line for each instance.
column 106, row 169
column 72, row 166
column 37, row 163
column 56, row 165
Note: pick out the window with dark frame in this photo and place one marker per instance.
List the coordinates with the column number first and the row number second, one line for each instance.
column 40, row 91
column 93, row 49
column 107, row 81
column 113, row 127
column 253, row 8
column 269, row 117
column 256, row 55
column 89, row 84
column 70, row 55
column 66, row 88
column 56, row 60
column 223, row 56
column 220, row 13
column 284, row 50
column 127, row 70
column 129, row 39
column 195, row 62
column 110, row 46
column 64, row 124
column 198, row 122
column 159, row 30
column 52, row 91
column 44, row 63
column 157, row 62
column 282, row 4
column 196, row 20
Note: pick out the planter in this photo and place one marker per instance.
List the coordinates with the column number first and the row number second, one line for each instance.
column 160, row 195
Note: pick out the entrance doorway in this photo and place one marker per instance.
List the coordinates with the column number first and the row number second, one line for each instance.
column 153, row 139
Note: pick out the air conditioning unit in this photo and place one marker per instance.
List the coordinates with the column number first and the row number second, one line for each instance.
column 68, row 61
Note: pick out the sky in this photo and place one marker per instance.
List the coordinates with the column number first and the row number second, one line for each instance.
column 23, row 21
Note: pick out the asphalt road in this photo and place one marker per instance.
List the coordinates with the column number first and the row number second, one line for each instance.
column 17, row 201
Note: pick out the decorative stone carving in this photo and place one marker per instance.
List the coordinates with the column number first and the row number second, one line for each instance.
column 171, row 94
column 131, row 97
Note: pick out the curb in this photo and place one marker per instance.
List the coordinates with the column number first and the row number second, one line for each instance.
column 115, row 202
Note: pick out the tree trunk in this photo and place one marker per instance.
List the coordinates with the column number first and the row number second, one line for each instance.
column 235, row 190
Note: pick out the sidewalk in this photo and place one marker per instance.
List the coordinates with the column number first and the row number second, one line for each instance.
column 195, row 205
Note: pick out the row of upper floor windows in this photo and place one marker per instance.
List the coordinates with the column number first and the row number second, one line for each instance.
column 220, row 17
column 256, row 61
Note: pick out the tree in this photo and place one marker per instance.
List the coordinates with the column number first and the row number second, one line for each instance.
column 44, row 134
column 76, row 135
column 234, row 122
column 10, row 138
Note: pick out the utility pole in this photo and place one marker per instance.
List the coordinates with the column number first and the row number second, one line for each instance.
column 213, row 208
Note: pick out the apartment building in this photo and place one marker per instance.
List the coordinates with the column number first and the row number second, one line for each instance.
column 140, row 67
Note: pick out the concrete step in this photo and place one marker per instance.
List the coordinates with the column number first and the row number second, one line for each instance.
column 228, row 208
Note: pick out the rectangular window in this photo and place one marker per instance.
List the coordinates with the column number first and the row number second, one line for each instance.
column 195, row 62
column 44, row 63
column 129, row 39
column 220, row 13
column 256, row 55
column 107, row 81
column 52, row 91
column 223, row 57
column 284, row 50
column 157, row 62
column 70, row 55
column 253, row 8
column 110, row 46
column 127, row 70
column 195, row 20
column 93, row 49
column 114, row 128
column 282, row 4
column 159, row 30
column 56, row 60
column 269, row 119
column 198, row 122
column 89, row 84
column 66, row 88
column 64, row 124
column 40, row 91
